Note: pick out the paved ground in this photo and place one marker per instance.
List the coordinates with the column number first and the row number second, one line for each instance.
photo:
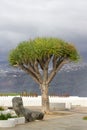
column 55, row 122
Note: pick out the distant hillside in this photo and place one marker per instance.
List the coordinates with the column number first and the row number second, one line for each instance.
column 84, row 56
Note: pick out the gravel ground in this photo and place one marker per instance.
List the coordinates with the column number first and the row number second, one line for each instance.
column 60, row 120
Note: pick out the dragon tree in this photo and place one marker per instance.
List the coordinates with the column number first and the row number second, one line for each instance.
column 35, row 57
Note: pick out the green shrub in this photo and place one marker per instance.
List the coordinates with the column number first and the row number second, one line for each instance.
column 1, row 108
column 6, row 116
column 85, row 118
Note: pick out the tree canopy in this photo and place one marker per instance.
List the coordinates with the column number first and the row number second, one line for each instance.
column 41, row 49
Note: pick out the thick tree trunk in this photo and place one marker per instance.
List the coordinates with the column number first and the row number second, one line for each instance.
column 45, row 98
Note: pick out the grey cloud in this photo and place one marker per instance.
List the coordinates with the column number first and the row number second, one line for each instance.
column 24, row 19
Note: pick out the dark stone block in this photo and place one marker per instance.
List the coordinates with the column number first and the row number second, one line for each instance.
column 21, row 111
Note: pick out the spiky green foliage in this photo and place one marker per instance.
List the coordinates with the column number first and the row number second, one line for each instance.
column 40, row 48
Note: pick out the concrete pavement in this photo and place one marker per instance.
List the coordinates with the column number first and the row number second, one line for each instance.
column 66, row 122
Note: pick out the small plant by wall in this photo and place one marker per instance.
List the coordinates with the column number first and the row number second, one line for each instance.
column 59, row 95
column 29, row 94
column 1, row 108
column 85, row 118
column 6, row 116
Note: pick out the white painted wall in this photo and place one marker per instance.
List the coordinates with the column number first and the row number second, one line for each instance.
column 36, row 101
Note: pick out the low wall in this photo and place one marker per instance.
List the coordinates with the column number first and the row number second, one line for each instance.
column 36, row 101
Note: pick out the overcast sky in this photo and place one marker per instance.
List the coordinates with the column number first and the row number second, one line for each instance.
column 24, row 19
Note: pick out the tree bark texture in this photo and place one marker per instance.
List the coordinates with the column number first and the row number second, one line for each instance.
column 45, row 98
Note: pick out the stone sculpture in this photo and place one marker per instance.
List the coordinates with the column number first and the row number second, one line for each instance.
column 21, row 111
